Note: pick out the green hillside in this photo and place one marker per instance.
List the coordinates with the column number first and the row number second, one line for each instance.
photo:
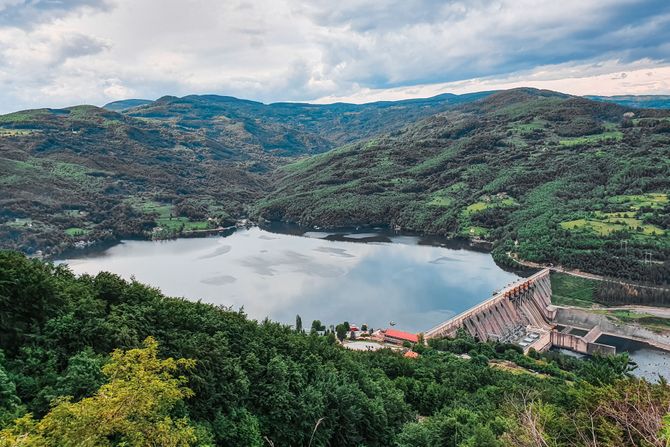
column 546, row 176
column 85, row 173
column 166, row 167
column 290, row 129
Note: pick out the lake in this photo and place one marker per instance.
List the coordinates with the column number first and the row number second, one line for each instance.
column 365, row 278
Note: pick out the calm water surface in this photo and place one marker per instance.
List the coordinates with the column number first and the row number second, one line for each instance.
column 356, row 278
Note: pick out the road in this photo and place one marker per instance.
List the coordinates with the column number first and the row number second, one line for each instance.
column 662, row 312
column 579, row 273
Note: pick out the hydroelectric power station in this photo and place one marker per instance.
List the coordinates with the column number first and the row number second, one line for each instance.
column 522, row 314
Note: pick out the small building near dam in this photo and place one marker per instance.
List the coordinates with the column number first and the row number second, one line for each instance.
column 397, row 337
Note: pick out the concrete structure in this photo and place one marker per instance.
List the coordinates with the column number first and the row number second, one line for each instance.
column 583, row 344
column 583, row 318
column 526, row 303
column 522, row 314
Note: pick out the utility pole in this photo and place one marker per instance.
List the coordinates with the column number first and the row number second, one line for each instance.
column 647, row 257
column 623, row 244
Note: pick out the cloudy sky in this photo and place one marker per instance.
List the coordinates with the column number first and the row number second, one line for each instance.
column 63, row 52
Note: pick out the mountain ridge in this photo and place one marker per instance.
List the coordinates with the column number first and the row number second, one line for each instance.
column 564, row 177
column 546, row 176
column 158, row 169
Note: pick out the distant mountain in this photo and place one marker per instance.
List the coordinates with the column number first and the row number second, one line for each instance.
column 637, row 101
column 126, row 104
column 289, row 129
column 547, row 176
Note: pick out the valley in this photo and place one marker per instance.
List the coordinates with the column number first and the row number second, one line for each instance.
column 536, row 175
column 324, row 224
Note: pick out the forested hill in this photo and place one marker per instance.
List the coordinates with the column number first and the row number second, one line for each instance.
column 290, row 129
column 184, row 373
column 120, row 106
column 164, row 168
column 548, row 177
column 85, row 173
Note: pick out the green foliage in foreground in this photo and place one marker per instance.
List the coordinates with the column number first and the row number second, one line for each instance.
column 247, row 382
column 133, row 408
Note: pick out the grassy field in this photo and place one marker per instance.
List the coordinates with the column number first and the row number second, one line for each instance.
column 605, row 224
column 440, row 201
column 588, row 139
column 76, row 231
column 495, row 202
column 570, row 290
column 166, row 218
column 608, row 226
column 635, row 202
column 181, row 223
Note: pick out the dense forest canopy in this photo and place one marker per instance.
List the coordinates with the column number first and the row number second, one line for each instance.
column 74, row 348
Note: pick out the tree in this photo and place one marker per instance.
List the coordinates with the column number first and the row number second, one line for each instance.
column 341, row 331
column 83, row 375
column 133, row 408
column 364, row 327
column 239, row 428
column 10, row 404
column 298, row 323
column 317, row 326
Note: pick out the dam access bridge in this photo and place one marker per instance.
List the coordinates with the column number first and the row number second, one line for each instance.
column 522, row 314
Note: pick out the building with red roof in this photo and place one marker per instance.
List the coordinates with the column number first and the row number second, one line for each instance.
column 399, row 337
column 411, row 355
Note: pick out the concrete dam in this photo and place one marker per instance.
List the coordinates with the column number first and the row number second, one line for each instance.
column 522, row 314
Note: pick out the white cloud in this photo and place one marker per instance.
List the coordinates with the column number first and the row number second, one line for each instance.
column 607, row 79
column 61, row 53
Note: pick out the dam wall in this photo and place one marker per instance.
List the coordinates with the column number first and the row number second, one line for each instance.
column 504, row 316
column 522, row 314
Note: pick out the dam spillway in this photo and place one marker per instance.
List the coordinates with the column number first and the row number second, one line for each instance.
column 521, row 313
column 522, row 304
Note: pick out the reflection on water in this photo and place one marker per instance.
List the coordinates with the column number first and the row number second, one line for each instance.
column 281, row 275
